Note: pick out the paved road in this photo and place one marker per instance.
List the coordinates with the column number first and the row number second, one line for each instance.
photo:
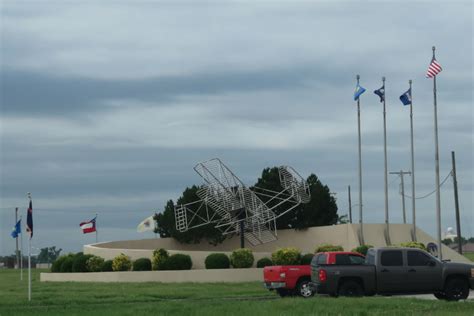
column 431, row 296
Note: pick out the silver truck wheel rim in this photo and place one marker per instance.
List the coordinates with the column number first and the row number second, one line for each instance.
column 305, row 290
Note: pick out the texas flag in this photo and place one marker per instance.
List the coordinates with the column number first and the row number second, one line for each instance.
column 89, row 226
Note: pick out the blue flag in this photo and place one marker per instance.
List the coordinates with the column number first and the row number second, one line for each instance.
column 16, row 229
column 406, row 97
column 358, row 91
column 381, row 93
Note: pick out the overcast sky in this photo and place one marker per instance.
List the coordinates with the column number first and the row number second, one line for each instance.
column 106, row 108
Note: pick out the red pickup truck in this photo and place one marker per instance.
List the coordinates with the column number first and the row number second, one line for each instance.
column 291, row 280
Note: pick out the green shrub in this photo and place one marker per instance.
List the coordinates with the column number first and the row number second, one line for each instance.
column 177, row 262
column 264, row 262
column 56, row 266
column 94, row 264
column 107, row 266
column 306, row 259
column 159, row 258
column 66, row 266
column 121, row 263
column 142, row 264
column 413, row 244
column 217, row 261
column 362, row 249
column 241, row 258
column 79, row 263
column 286, row 256
column 328, row 247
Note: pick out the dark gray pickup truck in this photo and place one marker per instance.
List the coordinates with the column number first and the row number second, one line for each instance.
column 394, row 271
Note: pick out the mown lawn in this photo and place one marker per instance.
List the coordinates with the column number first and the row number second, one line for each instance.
column 469, row 255
column 195, row 299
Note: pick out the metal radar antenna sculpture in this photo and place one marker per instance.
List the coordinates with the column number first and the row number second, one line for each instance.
column 232, row 207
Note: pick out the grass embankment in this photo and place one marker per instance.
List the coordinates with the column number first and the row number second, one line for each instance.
column 194, row 299
column 469, row 255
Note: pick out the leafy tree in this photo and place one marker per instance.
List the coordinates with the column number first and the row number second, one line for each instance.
column 321, row 209
column 166, row 224
column 48, row 254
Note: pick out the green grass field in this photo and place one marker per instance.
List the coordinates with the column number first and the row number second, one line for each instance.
column 469, row 255
column 195, row 299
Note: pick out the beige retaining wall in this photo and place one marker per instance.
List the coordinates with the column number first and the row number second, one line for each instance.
column 198, row 276
column 306, row 240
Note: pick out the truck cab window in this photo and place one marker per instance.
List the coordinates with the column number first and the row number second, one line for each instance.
column 417, row 258
column 391, row 258
column 322, row 258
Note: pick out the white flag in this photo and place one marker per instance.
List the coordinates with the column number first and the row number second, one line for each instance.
column 148, row 224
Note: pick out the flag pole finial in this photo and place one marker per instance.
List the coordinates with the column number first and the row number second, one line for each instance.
column 357, row 77
column 28, row 194
column 410, row 81
column 383, row 79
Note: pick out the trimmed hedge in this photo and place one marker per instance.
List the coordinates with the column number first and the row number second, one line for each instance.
column 264, row 262
column 159, row 258
column 177, row 261
column 242, row 258
column 414, row 244
column 94, row 264
column 306, row 259
column 66, row 265
column 286, row 256
column 107, row 266
column 362, row 249
column 328, row 247
column 79, row 263
column 142, row 264
column 217, row 261
column 56, row 266
column 121, row 263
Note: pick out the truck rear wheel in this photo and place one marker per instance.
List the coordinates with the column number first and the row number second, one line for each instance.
column 456, row 289
column 303, row 289
column 350, row 288
column 283, row 292
column 440, row 295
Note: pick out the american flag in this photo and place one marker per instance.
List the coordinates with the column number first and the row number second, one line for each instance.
column 433, row 69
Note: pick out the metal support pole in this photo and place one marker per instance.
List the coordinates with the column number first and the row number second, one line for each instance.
column 400, row 174
column 242, row 239
column 412, row 166
column 21, row 252
column 456, row 203
column 29, row 269
column 387, row 225
column 438, row 193
column 16, row 241
column 361, row 229
column 350, row 204
column 403, row 198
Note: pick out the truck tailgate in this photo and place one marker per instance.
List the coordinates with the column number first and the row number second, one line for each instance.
column 272, row 273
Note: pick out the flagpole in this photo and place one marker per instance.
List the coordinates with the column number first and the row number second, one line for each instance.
column 387, row 225
column 21, row 251
column 361, row 229
column 29, row 269
column 438, row 198
column 96, row 230
column 412, row 165
column 29, row 260
column 16, row 240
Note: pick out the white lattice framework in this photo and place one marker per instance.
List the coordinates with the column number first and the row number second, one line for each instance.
column 226, row 202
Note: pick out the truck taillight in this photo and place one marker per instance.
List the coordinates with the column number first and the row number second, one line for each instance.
column 322, row 275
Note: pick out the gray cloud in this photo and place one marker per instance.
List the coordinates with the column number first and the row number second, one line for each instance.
column 109, row 114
